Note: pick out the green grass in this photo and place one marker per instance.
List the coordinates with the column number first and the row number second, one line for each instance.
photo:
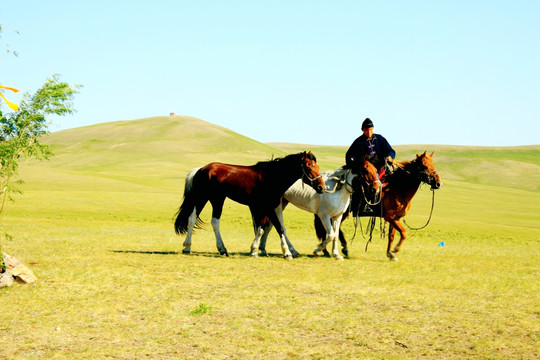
column 96, row 228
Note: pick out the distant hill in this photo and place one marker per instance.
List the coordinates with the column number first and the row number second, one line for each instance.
column 182, row 140
column 162, row 149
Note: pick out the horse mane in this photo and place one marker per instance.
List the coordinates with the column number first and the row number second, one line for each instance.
column 403, row 169
column 277, row 161
column 402, row 164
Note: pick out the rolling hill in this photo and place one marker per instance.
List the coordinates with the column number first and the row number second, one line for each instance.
column 155, row 151
column 169, row 146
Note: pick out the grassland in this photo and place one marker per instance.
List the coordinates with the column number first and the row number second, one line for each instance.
column 94, row 224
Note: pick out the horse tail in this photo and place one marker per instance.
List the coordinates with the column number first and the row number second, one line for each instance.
column 189, row 203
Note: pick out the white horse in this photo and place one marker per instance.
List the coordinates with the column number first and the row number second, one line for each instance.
column 329, row 206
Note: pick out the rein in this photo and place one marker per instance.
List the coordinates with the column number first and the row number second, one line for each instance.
column 429, row 176
column 430, row 213
column 340, row 181
column 380, row 193
column 369, row 228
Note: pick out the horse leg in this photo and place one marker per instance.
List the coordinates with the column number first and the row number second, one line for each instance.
column 217, row 208
column 391, row 234
column 336, row 222
column 277, row 219
column 321, row 233
column 266, row 231
column 191, row 224
column 219, row 240
column 343, row 241
column 393, row 226
column 260, row 231
column 330, row 234
column 279, row 213
column 294, row 252
column 402, row 236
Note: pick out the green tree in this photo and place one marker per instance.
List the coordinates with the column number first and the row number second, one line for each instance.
column 20, row 133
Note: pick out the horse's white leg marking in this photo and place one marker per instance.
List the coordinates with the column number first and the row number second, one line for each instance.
column 326, row 221
column 294, row 252
column 284, row 241
column 264, row 237
column 285, row 248
column 335, row 237
column 219, row 240
column 259, row 232
column 191, row 224
column 290, row 247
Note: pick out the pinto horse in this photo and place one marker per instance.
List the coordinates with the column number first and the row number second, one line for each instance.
column 330, row 205
column 259, row 186
column 398, row 191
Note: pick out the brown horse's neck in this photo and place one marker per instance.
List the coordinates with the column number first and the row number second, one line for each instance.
column 404, row 182
column 291, row 170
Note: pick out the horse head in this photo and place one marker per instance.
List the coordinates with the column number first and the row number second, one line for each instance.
column 426, row 170
column 368, row 179
column 311, row 173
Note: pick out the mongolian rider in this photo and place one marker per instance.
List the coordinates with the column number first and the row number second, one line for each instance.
column 379, row 153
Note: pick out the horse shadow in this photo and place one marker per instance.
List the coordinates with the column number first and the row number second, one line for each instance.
column 145, row 252
column 201, row 253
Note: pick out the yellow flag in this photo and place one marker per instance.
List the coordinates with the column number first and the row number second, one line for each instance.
column 14, row 106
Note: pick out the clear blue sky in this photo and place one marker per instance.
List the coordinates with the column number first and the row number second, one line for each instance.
column 426, row 72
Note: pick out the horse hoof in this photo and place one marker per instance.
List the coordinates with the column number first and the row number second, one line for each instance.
column 345, row 253
column 186, row 252
column 264, row 253
column 392, row 256
column 288, row 257
column 224, row 253
column 316, row 254
column 296, row 254
column 337, row 256
column 254, row 255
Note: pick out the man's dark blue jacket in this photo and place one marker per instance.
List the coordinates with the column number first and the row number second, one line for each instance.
column 360, row 147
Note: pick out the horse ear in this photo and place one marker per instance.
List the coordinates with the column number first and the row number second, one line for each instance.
column 432, row 154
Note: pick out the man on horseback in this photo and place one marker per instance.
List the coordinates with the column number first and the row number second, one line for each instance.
column 379, row 153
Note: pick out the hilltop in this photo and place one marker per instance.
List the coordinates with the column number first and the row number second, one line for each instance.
column 151, row 141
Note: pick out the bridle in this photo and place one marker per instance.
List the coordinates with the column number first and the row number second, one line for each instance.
column 424, row 176
column 307, row 177
column 427, row 178
column 371, row 184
